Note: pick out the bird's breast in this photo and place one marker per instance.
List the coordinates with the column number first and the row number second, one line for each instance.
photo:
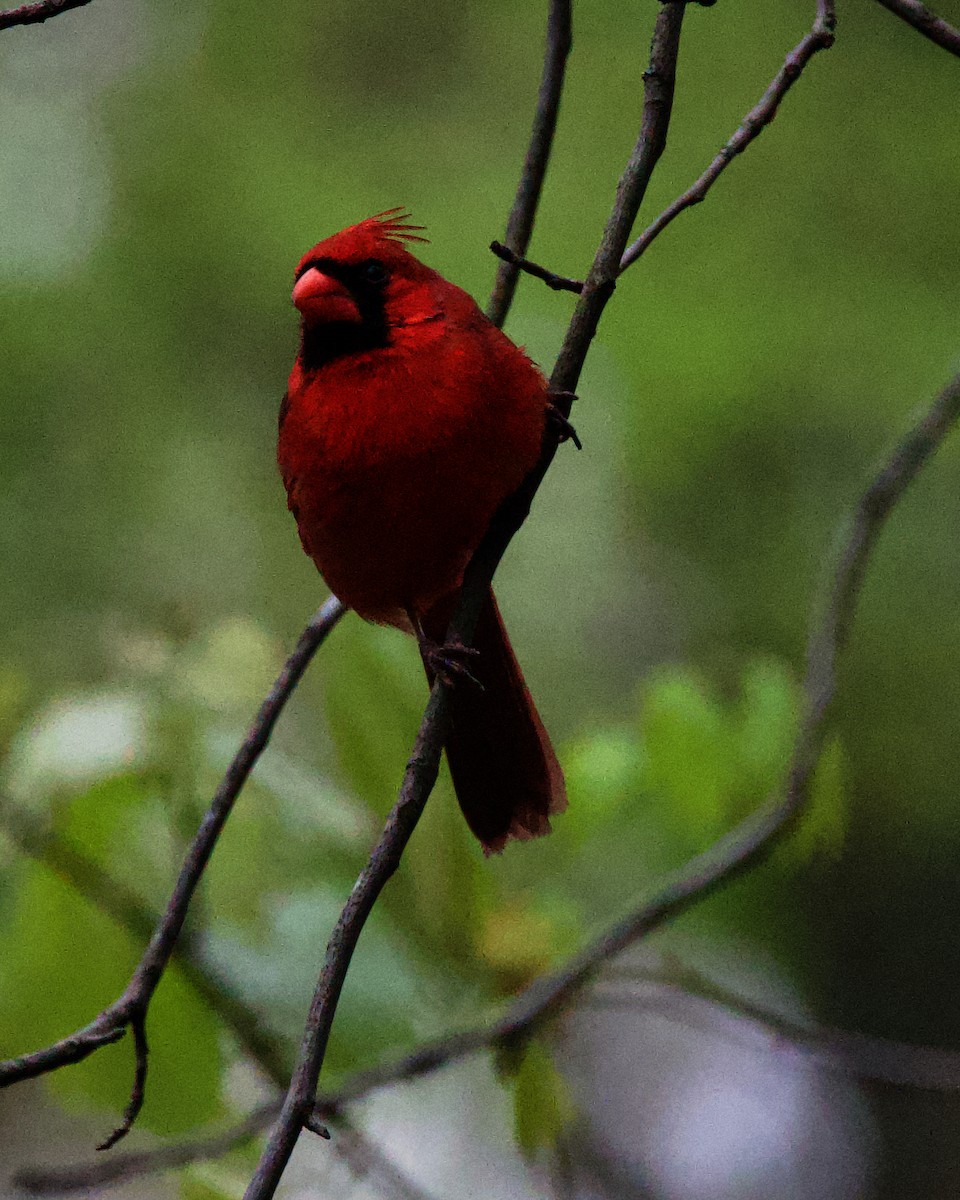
column 394, row 464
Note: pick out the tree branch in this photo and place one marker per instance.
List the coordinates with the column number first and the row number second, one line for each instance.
column 424, row 764
column 658, row 84
column 820, row 37
column 559, row 283
column 524, row 211
column 120, row 1168
column 868, row 1059
column 756, row 837
column 130, row 1008
column 33, row 14
column 926, row 22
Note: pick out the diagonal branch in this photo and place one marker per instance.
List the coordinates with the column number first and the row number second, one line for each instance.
column 926, row 22
column 33, row 14
column 524, row 210
column 755, row 837
column 130, row 1008
column 120, row 1168
column 820, row 37
column 697, row 1000
column 424, row 763
column 558, row 283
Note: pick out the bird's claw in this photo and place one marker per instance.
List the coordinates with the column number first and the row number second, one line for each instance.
column 560, row 424
column 448, row 662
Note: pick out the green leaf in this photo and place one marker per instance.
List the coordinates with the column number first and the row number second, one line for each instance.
column 211, row 1181
column 711, row 763
column 822, row 827
column 691, row 753
column 768, row 713
column 121, row 824
column 607, row 766
column 542, row 1104
column 374, row 698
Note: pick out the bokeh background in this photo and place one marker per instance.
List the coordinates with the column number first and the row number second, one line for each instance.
column 162, row 168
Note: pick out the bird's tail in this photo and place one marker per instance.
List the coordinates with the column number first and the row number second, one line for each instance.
column 505, row 771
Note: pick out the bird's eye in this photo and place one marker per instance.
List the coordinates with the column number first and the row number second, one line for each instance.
column 374, row 272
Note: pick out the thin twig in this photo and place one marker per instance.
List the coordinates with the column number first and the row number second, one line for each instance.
column 132, row 1005
column 368, row 1162
column 926, row 22
column 867, row 1059
column 33, row 14
column 360, row 1154
column 418, row 781
column 422, row 769
column 138, row 1092
column 559, row 283
column 820, row 37
column 658, row 85
column 524, row 211
column 119, row 1168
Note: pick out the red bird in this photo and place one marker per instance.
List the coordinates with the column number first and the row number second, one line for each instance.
column 409, row 417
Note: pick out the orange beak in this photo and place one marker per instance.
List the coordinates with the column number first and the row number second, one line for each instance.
column 321, row 298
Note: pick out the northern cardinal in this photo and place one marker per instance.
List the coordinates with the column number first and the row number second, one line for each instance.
column 409, row 417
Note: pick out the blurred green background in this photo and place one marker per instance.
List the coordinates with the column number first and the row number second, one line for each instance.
column 163, row 168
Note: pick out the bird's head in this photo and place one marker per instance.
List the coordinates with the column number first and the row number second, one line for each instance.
column 354, row 288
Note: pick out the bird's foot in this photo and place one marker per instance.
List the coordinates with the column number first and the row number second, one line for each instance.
column 560, row 424
column 450, row 662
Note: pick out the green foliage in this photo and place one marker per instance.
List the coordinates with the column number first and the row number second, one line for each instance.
column 375, row 693
column 542, row 1105
column 212, row 1181
column 711, row 762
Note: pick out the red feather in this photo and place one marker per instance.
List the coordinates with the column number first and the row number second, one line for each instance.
column 408, row 419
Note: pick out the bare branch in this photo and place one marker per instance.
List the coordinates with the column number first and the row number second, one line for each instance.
column 33, row 14
column 820, row 37
column 868, row 1059
column 138, row 1093
column 756, row 837
column 658, row 85
column 559, row 283
column 926, row 22
column 120, row 1168
column 366, row 1160
column 424, row 763
column 524, row 210
column 131, row 1007
column 758, row 834
column 418, row 782
column 363, row 1158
